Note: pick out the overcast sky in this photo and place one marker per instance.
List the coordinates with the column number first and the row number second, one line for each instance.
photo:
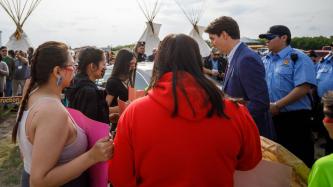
column 115, row 22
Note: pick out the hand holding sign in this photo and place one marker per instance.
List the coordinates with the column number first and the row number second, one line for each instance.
column 133, row 94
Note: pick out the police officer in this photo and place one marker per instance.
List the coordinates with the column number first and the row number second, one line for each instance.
column 290, row 76
column 324, row 84
column 325, row 74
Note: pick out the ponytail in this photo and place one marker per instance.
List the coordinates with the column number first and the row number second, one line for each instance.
column 22, row 107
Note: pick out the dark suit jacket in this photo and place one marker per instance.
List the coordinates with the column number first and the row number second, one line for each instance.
column 85, row 96
column 245, row 79
column 222, row 64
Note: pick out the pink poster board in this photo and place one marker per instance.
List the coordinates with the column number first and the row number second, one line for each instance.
column 135, row 94
column 94, row 130
column 122, row 106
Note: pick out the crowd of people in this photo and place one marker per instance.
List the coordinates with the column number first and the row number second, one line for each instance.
column 186, row 131
column 15, row 70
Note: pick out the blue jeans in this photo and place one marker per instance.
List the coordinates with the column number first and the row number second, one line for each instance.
column 9, row 88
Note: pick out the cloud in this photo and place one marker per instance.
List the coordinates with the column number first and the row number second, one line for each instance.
column 105, row 22
column 235, row 8
column 313, row 28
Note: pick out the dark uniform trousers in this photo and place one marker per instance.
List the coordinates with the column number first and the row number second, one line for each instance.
column 293, row 130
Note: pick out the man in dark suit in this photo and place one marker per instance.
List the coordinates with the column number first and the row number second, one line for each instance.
column 245, row 77
column 215, row 65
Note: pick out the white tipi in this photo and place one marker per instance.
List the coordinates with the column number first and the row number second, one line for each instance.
column 150, row 35
column 193, row 12
column 19, row 11
column 196, row 34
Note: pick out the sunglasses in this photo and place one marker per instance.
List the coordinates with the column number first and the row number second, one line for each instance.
column 271, row 36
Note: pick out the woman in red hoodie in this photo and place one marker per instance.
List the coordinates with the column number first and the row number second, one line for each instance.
column 185, row 132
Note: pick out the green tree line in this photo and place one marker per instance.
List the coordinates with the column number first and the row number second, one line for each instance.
column 117, row 48
column 308, row 43
column 305, row 43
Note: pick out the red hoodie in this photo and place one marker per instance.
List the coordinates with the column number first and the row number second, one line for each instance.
column 154, row 149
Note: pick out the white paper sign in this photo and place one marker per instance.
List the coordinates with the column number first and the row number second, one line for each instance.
column 265, row 174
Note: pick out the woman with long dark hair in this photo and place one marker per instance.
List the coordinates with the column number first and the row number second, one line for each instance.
column 185, row 132
column 53, row 146
column 120, row 79
column 84, row 95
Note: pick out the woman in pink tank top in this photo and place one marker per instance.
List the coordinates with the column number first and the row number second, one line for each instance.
column 51, row 143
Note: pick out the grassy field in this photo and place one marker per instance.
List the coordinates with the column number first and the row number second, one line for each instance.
column 10, row 162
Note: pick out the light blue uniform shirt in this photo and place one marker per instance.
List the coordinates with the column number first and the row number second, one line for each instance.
column 215, row 64
column 325, row 75
column 283, row 75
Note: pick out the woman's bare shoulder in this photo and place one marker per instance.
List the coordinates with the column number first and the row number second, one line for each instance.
column 51, row 111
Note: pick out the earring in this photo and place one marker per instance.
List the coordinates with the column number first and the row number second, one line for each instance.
column 59, row 80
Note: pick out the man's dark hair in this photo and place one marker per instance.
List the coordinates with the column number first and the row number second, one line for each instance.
column 30, row 51
column 11, row 53
column 3, row 47
column 224, row 23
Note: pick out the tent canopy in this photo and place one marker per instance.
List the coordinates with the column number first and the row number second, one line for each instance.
column 196, row 34
column 150, row 8
column 150, row 36
column 19, row 11
column 193, row 12
column 21, row 44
